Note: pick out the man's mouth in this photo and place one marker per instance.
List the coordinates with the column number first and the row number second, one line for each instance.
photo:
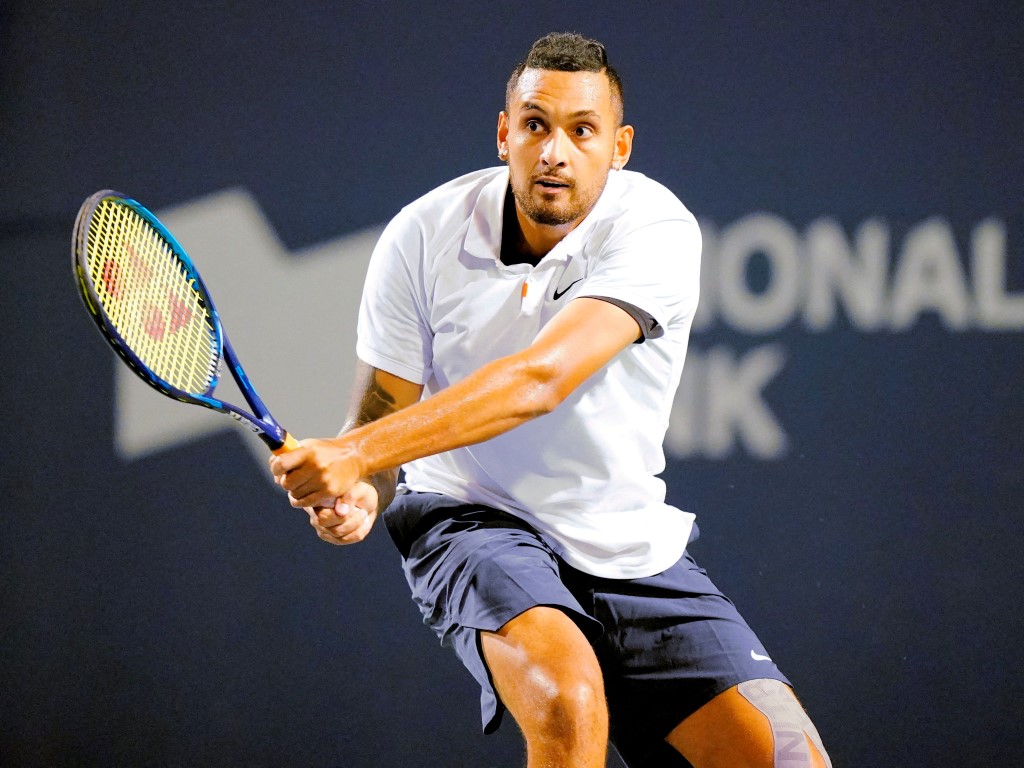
column 552, row 183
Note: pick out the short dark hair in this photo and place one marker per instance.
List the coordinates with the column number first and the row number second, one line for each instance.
column 567, row 52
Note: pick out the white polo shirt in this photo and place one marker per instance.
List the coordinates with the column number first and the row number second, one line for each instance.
column 438, row 304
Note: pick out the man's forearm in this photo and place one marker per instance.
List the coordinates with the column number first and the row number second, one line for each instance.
column 373, row 400
column 384, row 482
column 489, row 402
column 492, row 400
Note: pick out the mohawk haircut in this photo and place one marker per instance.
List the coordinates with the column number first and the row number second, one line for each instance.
column 567, row 52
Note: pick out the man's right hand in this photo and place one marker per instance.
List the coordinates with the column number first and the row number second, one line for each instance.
column 350, row 519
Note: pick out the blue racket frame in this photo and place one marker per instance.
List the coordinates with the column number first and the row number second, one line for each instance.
column 260, row 421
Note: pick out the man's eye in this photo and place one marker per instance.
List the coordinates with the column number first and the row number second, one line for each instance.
column 533, row 125
column 583, row 131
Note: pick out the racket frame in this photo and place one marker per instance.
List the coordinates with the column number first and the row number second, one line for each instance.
column 260, row 421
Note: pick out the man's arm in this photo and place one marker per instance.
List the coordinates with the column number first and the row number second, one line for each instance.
column 376, row 394
column 577, row 342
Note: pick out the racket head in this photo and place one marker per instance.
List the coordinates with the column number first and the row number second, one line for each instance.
column 146, row 297
column 149, row 302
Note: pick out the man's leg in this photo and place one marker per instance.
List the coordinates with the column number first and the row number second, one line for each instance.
column 548, row 677
column 757, row 723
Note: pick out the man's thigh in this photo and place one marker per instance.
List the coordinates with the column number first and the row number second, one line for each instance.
column 756, row 723
column 548, row 677
column 672, row 643
column 472, row 570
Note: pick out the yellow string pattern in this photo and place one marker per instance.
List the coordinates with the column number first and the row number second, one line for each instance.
column 146, row 293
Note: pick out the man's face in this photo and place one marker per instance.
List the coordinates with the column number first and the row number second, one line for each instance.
column 561, row 137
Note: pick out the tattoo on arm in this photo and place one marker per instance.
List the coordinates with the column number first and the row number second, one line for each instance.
column 376, row 402
column 371, row 400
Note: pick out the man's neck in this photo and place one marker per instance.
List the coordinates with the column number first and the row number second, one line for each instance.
column 524, row 241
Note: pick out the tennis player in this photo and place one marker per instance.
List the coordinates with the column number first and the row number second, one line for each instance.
column 521, row 337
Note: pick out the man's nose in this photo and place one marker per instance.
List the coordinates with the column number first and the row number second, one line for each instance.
column 556, row 149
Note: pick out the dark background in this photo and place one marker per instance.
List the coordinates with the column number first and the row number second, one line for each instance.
column 170, row 610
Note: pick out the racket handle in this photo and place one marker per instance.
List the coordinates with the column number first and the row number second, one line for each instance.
column 290, row 444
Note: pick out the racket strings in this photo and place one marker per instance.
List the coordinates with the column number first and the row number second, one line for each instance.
column 151, row 299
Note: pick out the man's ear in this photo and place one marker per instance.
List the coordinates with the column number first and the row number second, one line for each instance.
column 623, row 146
column 502, row 136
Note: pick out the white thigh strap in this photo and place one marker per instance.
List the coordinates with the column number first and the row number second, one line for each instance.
column 791, row 727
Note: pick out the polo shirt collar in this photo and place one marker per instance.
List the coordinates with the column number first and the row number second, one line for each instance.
column 483, row 237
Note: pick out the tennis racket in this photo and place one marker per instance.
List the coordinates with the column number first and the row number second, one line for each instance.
column 152, row 307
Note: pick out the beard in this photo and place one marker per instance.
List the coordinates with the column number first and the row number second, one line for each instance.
column 551, row 213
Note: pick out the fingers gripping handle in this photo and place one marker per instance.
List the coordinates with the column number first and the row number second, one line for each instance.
column 290, row 444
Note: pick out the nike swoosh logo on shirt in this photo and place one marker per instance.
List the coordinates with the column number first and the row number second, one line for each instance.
column 759, row 657
column 560, row 294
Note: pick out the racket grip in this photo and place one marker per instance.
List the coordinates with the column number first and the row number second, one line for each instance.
column 290, row 444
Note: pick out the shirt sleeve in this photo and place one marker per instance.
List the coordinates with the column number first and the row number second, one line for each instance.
column 649, row 328
column 393, row 333
column 655, row 269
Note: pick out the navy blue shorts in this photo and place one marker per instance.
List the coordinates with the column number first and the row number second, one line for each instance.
column 667, row 644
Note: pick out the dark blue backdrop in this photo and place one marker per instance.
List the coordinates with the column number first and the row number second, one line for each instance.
column 169, row 609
